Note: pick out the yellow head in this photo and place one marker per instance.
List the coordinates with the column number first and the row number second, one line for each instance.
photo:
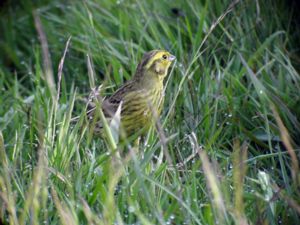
column 155, row 62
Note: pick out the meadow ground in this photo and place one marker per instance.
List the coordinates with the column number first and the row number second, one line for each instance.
column 228, row 150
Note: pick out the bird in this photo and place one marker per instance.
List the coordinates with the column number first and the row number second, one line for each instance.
column 141, row 98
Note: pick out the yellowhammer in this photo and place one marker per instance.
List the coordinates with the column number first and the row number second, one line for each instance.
column 142, row 97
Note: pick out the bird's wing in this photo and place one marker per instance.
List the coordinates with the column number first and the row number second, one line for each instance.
column 111, row 104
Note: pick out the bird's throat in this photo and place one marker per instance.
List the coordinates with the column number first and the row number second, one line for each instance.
column 151, row 80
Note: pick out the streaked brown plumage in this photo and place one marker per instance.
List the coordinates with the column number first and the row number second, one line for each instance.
column 142, row 95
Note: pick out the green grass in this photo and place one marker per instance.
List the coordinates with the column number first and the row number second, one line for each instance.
column 231, row 115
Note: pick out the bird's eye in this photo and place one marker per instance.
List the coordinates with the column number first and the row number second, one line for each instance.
column 164, row 57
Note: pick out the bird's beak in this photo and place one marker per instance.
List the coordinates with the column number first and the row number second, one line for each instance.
column 172, row 57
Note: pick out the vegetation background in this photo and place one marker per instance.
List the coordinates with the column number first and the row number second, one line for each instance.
column 228, row 152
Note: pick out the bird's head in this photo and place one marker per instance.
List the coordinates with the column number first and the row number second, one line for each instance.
column 155, row 63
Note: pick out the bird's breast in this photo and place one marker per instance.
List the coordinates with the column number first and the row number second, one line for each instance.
column 141, row 109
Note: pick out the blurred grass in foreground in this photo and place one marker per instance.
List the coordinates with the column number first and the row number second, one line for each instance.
column 231, row 115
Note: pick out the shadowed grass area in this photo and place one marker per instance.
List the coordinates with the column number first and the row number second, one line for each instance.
column 228, row 148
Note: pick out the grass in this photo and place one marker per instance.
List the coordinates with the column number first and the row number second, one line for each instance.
column 228, row 150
